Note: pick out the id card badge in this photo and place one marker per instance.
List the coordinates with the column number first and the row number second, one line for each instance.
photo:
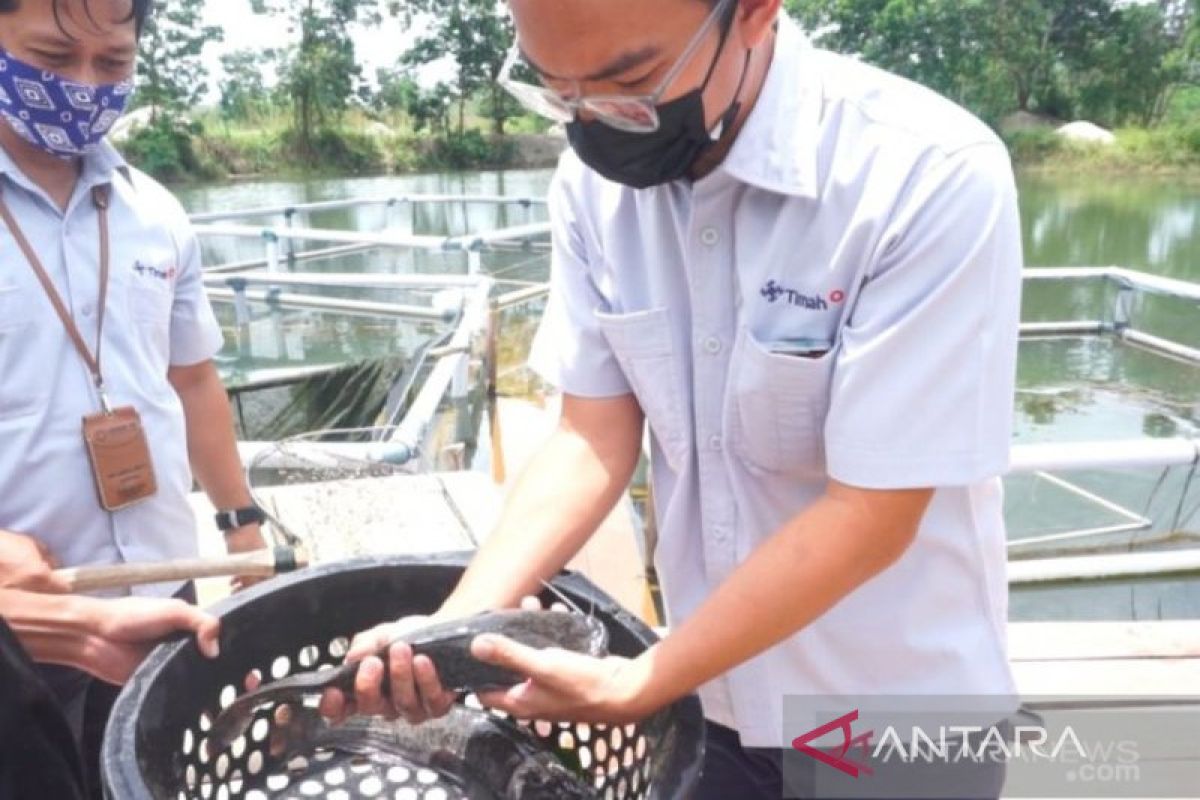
column 121, row 466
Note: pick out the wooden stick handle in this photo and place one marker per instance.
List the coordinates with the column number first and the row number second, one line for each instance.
column 257, row 563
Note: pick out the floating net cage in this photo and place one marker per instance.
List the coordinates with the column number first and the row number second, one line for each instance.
column 156, row 744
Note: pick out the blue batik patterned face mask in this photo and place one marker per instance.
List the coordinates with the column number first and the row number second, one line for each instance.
column 62, row 117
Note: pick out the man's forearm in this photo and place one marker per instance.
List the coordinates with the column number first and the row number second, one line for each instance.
column 53, row 628
column 556, row 505
column 212, row 446
column 814, row 561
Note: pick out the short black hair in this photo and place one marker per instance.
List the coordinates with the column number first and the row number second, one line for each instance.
column 137, row 15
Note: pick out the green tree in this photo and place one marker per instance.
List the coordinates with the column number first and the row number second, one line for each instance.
column 320, row 73
column 244, row 92
column 172, row 76
column 1135, row 69
column 425, row 109
column 1104, row 59
column 430, row 109
column 475, row 35
column 938, row 43
column 1036, row 42
column 397, row 91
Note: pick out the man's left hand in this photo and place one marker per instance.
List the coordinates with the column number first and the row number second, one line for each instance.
column 563, row 686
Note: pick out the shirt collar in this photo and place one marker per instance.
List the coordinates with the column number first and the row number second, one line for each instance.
column 99, row 166
column 776, row 149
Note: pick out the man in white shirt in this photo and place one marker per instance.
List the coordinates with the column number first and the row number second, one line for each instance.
column 804, row 274
column 146, row 334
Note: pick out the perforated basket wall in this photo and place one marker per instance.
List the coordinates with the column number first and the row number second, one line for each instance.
column 155, row 745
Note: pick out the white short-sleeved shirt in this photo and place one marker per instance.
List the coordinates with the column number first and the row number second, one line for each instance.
column 858, row 213
column 157, row 317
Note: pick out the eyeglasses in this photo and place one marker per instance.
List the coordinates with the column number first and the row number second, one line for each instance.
column 633, row 113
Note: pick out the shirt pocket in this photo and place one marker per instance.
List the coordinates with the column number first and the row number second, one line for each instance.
column 149, row 308
column 778, row 406
column 644, row 347
column 150, row 304
column 22, row 389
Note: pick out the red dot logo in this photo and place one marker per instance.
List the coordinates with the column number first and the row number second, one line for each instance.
column 837, row 296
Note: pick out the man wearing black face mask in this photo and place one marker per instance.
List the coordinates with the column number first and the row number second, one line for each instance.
column 804, row 275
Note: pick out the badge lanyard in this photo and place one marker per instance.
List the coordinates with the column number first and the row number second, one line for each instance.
column 115, row 439
column 100, row 197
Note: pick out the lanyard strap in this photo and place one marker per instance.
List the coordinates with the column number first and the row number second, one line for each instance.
column 100, row 198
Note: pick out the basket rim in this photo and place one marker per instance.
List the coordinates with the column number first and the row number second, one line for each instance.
column 120, row 769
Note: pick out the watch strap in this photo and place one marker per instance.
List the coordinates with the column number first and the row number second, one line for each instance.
column 239, row 517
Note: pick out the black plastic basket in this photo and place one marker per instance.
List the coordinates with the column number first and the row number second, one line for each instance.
column 155, row 743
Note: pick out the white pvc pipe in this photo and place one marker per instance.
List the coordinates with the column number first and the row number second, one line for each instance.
column 1092, row 497
column 1067, row 273
column 307, row 255
column 519, row 296
column 1143, row 281
column 1152, row 342
column 1081, row 328
column 333, row 205
column 273, row 254
column 385, row 239
column 337, row 305
column 315, row 454
column 425, row 405
column 1116, row 454
column 1157, row 284
column 346, row 279
column 1074, row 536
column 507, row 234
column 1156, row 564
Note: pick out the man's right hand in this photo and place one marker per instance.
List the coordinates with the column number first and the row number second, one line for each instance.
column 416, row 692
column 26, row 564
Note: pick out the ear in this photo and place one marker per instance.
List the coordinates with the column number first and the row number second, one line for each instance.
column 755, row 19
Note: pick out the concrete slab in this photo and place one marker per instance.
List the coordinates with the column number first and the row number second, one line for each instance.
column 436, row 513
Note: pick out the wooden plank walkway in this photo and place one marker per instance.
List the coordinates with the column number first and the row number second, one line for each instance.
column 1142, row 659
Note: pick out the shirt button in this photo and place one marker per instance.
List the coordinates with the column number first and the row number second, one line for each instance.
column 715, row 442
column 713, row 345
column 87, row 310
column 709, row 236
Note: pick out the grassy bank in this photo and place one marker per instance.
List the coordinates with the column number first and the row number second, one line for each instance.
column 1158, row 150
column 204, row 151
column 214, row 151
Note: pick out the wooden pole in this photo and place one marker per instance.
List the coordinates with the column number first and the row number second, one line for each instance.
column 256, row 564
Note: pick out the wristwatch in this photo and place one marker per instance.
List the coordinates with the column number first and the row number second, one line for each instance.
column 229, row 520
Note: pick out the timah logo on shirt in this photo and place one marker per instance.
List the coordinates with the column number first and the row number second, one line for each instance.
column 775, row 293
column 147, row 271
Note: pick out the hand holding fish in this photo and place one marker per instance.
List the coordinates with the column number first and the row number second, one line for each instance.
column 416, row 693
column 413, row 690
column 564, row 686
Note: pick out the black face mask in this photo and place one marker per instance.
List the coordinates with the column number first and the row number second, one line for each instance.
column 641, row 160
